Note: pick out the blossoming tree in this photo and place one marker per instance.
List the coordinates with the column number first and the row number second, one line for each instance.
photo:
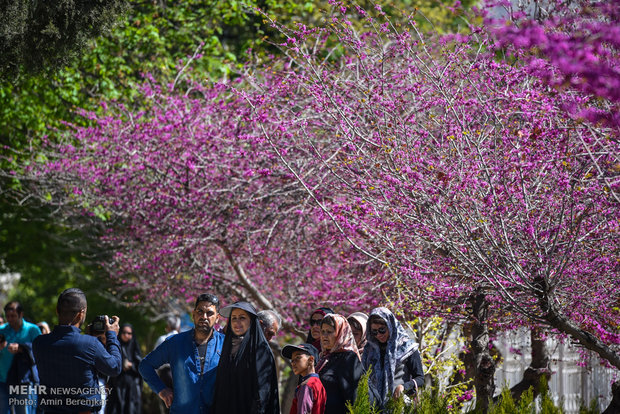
column 194, row 200
column 462, row 173
column 391, row 163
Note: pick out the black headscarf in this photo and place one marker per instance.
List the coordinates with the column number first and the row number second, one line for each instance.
column 247, row 383
column 126, row 389
column 310, row 340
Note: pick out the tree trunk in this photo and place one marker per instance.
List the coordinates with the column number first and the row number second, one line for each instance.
column 614, row 405
column 288, row 393
column 538, row 367
column 556, row 319
column 484, row 365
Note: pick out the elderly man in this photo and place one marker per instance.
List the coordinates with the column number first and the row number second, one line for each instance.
column 173, row 324
column 16, row 360
column 193, row 357
column 271, row 322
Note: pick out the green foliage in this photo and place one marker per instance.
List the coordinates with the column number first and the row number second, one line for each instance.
column 507, row 405
column 362, row 404
column 51, row 257
column 527, row 404
column 546, row 403
column 439, row 344
column 593, row 408
column 39, row 35
column 432, row 401
column 435, row 15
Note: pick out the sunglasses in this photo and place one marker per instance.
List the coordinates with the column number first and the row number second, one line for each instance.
column 315, row 322
column 381, row 331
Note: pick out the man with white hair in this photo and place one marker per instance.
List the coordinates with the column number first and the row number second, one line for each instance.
column 173, row 324
column 270, row 321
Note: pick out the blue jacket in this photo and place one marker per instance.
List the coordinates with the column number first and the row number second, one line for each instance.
column 68, row 365
column 25, row 336
column 190, row 386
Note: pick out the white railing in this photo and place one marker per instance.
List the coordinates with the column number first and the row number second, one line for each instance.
column 577, row 376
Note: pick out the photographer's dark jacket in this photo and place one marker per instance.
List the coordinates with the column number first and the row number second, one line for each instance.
column 68, row 363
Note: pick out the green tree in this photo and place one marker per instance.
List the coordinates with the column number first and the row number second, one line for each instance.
column 42, row 35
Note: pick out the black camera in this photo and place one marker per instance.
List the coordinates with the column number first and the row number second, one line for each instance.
column 97, row 326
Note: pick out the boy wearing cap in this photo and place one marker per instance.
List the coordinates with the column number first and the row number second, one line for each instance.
column 310, row 395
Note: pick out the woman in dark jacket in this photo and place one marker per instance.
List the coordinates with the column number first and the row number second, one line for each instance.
column 314, row 334
column 246, row 381
column 126, row 389
column 393, row 356
column 339, row 365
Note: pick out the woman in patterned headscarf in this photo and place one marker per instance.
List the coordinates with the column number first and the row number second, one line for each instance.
column 393, row 356
column 339, row 365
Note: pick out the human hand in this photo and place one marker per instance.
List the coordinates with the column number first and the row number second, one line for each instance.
column 398, row 391
column 13, row 348
column 167, row 396
column 112, row 327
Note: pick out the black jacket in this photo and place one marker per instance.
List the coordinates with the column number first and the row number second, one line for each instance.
column 246, row 383
column 23, row 369
column 340, row 376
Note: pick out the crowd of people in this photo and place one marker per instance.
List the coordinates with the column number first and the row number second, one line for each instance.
column 231, row 370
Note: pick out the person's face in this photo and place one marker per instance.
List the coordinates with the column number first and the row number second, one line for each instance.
column 328, row 337
column 240, row 321
column 356, row 328
column 301, row 362
column 315, row 325
column 271, row 330
column 379, row 331
column 126, row 334
column 12, row 317
column 205, row 317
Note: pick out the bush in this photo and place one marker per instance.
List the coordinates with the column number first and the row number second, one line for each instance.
column 431, row 401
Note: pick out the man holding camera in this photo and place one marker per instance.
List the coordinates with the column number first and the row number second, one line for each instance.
column 193, row 357
column 69, row 362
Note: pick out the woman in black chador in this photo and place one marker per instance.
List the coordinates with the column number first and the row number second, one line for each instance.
column 246, row 381
column 126, row 389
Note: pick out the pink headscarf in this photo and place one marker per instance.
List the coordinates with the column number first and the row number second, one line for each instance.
column 362, row 319
column 344, row 340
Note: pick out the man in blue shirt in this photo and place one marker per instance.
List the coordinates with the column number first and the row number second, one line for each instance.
column 17, row 347
column 69, row 362
column 193, row 357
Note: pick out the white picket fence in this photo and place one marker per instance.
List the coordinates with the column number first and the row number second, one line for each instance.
column 571, row 383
